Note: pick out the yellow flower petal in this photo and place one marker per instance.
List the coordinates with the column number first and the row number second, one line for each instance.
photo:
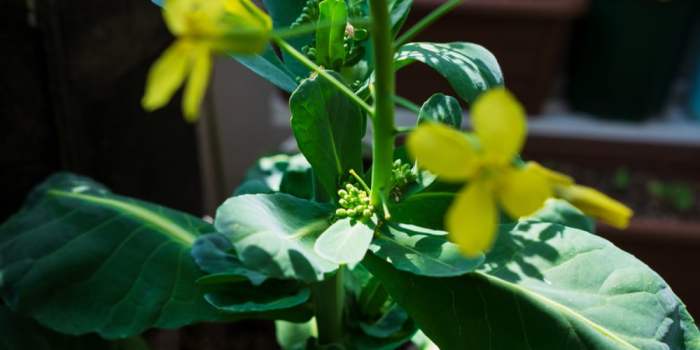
column 472, row 219
column 501, row 125
column 554, row 177
column 197, row 84
column 166, row 75
column 522, row 191
column 443, row 151
column 597, row 205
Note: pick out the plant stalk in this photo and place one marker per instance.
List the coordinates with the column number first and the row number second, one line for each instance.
column 426, row 21
column 329, row 300
column 282, row 44
column 385, row 85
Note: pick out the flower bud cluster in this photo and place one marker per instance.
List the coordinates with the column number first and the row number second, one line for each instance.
column 354, row 203
column 402, row 174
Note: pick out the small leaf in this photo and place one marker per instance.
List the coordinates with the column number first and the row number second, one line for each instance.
column 345, row 242
column 399, row 10
column 443, row 109
column 242, row 297
column 289, row 174
column 283, row 14
column 275, row 234
column 330, row 40
column 328, row 128
column 270, row 67
column 469, row 68
column 421, row 251
column 295, row 336
column 425, row 209
column 214, row 255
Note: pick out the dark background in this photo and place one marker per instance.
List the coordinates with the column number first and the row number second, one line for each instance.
column 71, row 79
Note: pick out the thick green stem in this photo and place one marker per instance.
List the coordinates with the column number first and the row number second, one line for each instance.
column 329, row 300
column 323, row 73
column 383, row 121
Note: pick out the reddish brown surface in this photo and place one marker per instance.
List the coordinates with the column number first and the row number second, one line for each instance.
column 528, row 37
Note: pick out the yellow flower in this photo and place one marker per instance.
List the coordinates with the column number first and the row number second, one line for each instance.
column 588, row 200
column 485, row 159
column 202, row 27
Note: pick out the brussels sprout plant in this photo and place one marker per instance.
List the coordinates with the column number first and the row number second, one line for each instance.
column 443, row 237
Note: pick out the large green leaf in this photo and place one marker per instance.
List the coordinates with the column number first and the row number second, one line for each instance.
column 421, row 251
column 345, row 242
column 80, row 259
column 328, row 127
column 469, row 68
column 441, row 108
column 275, row 234
column 546, row 286
column 330, row 40
column 21, row 333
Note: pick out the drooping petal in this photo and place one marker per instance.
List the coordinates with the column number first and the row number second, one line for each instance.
column 443, row 151
column 197, row 83
column 501, row 125
column 472, row 219
column 597, row 205
column 167, row 75
column 522, row 191
column 553, row 176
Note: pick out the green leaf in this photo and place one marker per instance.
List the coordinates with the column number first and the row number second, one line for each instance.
column 291, row 174
column 421, row 251
column 425, row 209
column 386, row 326
column 283, row 14
column 21, row 333
column 399, row 10
column 441, row 108
column 270, row 67
column 294, row 336
column 243, row 297
column 330, row 40
column 557, row 211
column 275, row 234
column 328, row 127
column 546, row 286
column 345, row 242
column 80, row 259
column 214, row 254
column 469, row 68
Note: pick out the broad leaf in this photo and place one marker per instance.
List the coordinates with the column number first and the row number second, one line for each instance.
column 425, row 209
column 469, row 68
column 546, row 286
column 441, row 108
column 328, row 127
column 275, row 234
column 345, row 242
column 421, row 251
column 330, row 40
column 557, row 211
column 20, row 333
column 80, row 259
column 270, row 67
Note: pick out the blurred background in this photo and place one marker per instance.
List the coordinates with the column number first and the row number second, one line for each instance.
column 612, row 88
